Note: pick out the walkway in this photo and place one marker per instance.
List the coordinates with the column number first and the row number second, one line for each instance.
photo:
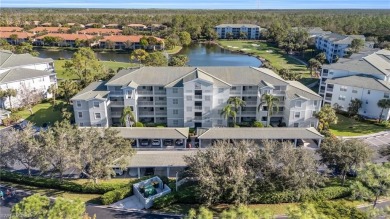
column 129, row 203
column 377, row 139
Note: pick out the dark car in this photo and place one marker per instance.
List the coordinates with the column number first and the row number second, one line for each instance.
column 179, row 142
column 145, row 142
column 299, row 142
column 149, row 171
column 17, row 127
column 134, row 143
column 168, row 142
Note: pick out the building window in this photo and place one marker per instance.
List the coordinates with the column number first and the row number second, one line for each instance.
column 368, row 92
column 298, row 104
column 343, row 88
column 354, row 91
column 189, row 109
column 189, row 119
column 220, row 90
column 219, row 112
column 366, row 101
column 78, row 103
column 207, row 98
column 98, row 116
column 313, row 113
column 175, row 112
column 220, row 101
column 175, row 101
column 297, row 114
column 175, row 122
column 386, row 95
column 264, row 118
column 175, row 90
column 95, row 104
column 188, row 98
column 341, row 97
column 219, row 121
column 81, row 124
column 315, row 102
column 296, row 124
column 80, row 114
column 312, row 124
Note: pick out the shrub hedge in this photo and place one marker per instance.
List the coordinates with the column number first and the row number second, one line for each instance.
column 58, row 184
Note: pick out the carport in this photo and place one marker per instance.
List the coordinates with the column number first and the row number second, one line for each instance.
column 151, row 133
column 207, row 136
column 163, row 162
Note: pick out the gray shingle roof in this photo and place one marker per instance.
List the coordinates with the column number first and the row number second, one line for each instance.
column 19, row 74
column 8, row 60
column 361, row 81
column 96, row 90
column 238, row 25
column 261, row 133
column 297, row 90
column 163, row 76
column 160, row 158
column 341, row 39
column 152, row 133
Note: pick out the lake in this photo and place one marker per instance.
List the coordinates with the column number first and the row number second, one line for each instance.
column 198, row 55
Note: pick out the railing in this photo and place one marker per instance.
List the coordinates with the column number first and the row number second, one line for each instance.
column 248, row 112
column 146, row 113
column 279, row 113
column 160, row 102
column 250, row 92
column 197, row 118
column 116, row 113
column 145, row 102
column 323, row 82
column 324, row 75
column 328, row 98
column 251, row 103
column 198, row 97
column 198, row 107
column 329, row 89
column 114, row 102
column 142, row 92
column 322, row 90
column 161, row 113
column 160, row 92
column 116, row 92
column 235, row 92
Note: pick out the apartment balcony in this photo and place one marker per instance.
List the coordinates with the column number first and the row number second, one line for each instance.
column 246, row 92
column 235, row 92
column 116, row 103
column 116, row 93
column 198, row 118
column 279, row 113
column 145, row 103
column 146, row 113
column 160, row 103
column 250, row 103
column 248, row 112
column 329, row 89
column 198, row 97
column 160, row 92
column 198, row 107
column 328, row 98
column 322, row 90
column 145, row 92
column 116, row 114
column 161, row 113
column 323, row 82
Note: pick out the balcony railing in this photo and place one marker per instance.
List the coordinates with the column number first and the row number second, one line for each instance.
column 322, row 90
column 248, row 112
column 198, row 107
column 145, row 102
column 235, row 92
column 146, row 113
column 161, row 113
column 251, row 103
column 199, row 97
column 113, row 113
column 160, row 92
column 329, row 89
column 249, row 92
column 198, row 118
column 328, row 98
column 116, row 92
column 145, row 92
column 117, row 103
column 161, row 103
column 324, row 75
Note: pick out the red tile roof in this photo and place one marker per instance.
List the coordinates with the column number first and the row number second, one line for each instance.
column 100, row 31
column 21, row 35
column 123, row 38
column 10, row 29
column 50, row 29
column 66, row 36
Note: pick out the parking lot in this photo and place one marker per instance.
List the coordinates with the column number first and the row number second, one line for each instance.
column 378, row 140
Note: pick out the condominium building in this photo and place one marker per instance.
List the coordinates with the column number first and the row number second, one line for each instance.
column 194, row 97
column 366, row 78
column 335, row 45
column 251, row 31
column 17, row 70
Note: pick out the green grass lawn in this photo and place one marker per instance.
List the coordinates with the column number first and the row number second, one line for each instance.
column 61, row 74
column 42, row 113
column 277, row 57
column 351, row 127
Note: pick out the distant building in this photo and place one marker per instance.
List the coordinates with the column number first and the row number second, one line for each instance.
column 365, row 77
column 123, row 42
column 251, row 31
column 137, row 26
column 20, row 37
column 335, row 45
column 17, row 70
column 100, row 31
column 11, row 29
column 68, row 40
column 49, row 30
column 194, row 97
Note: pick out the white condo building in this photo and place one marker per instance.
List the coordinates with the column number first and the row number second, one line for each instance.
column 17, row 70
column 251, row 31
column 366, row 78
column 335, row 45
column 194, row 97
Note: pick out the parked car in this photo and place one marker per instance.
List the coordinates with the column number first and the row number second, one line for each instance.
column 118, row 171
column 134, row 143
column 168, row 142
column 300, row 142
column 145, row 142
column 156, row 142
column 196, row 142
column 179, row 142
column 149, row 171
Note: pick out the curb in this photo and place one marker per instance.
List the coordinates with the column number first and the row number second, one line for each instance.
column 366, row 136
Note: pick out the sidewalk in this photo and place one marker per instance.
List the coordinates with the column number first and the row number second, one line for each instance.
column 366, row 136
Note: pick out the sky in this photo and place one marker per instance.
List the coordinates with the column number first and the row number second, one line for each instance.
column 202, row 4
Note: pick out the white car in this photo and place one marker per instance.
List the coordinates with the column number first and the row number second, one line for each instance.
column 156, row 142
column 118, row 171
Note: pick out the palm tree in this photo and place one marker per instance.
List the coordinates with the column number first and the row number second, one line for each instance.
column 227, row 112
column 384, row 104
column 67, row 89
column 127, row 118
column 314, row 64
column 270, row 101
column 236, row 102
column 53, row 89
column 10, row 93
